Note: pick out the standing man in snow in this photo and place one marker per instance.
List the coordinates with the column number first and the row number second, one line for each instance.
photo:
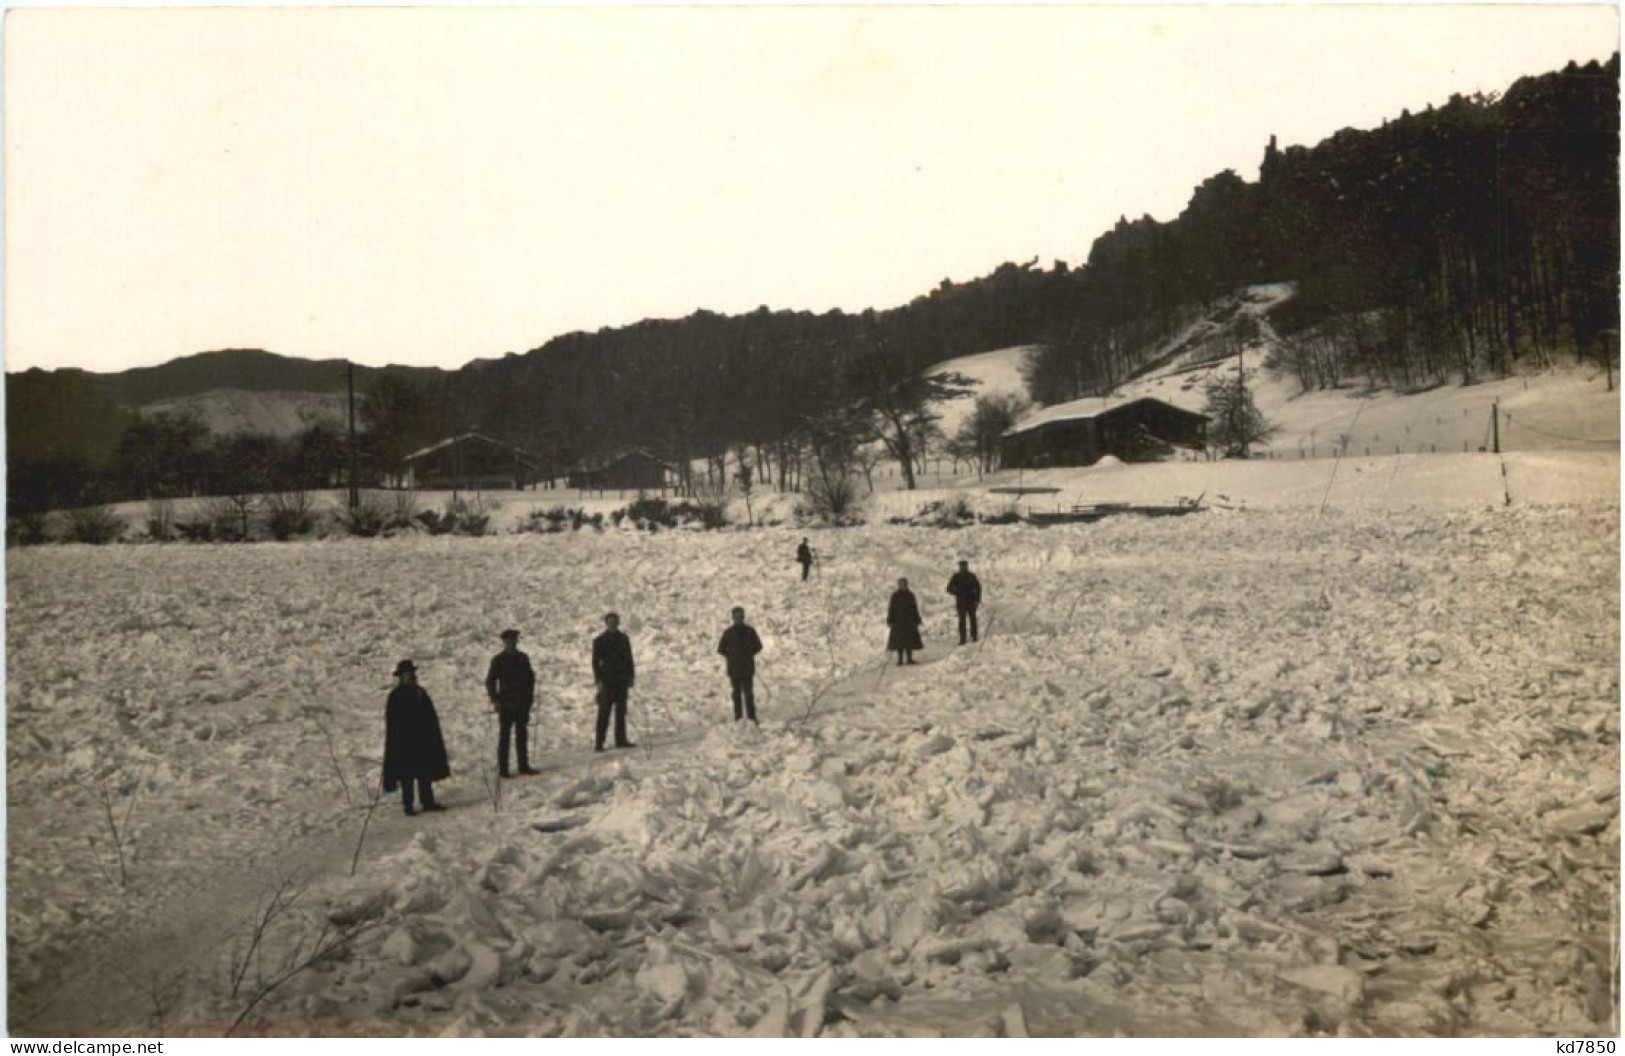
column 804, row 557
column 967, row 592
column 414, row 750
column 903, row 617
column 511, row 685
column 740, row 644
column 614, row 673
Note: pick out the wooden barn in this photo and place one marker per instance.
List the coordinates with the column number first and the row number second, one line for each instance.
column 1083, row 432
column 632, row 470
column 471, row 461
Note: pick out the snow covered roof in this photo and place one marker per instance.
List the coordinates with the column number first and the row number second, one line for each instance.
column 1086, row 408
column 519, row 453
column 595, row 462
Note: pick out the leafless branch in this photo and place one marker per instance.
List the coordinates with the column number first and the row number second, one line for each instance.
column 333, row 757
column 372, row 805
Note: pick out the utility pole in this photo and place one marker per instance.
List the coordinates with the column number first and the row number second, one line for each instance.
column 1241, row 394
column 1495, row 424
column 355, row 495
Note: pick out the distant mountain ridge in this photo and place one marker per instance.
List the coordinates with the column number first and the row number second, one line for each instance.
column 79, row 413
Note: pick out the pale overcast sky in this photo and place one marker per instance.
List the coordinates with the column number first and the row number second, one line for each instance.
column 427, row 186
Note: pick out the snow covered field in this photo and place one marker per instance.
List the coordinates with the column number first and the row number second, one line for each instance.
column 1246, row 772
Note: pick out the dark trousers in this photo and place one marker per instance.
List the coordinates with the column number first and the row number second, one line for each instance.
column 806, row 566
column 425, row 792
column 744, row 697
column 612, row 697
column 519, row 725
column 963, row 613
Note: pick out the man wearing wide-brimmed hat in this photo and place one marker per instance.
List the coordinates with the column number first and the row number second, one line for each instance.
column 414, row 750
column 511, row 685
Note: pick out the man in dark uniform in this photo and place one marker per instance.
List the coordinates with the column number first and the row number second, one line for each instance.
column 511, row 685
column 740, row 644
column 967, row 592
column 613, row 671
column 804, row 557
column 414, row 750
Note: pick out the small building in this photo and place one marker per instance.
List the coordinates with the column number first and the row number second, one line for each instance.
column 1082, row 432
column 630, row 470
column 471, row 461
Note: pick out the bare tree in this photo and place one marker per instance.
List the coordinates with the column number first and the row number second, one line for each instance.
column 896, row 410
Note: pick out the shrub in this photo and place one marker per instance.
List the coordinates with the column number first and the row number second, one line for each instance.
column 710, row 515
column 646, row 511
column 161, row 520
column 367, row 518
column 403, row 509
column 29, row 529
column 952, row 513
column 197, row 527
column 289, row 514
column 1002, row 517
column 230, row 517
column 545, row 522
column 460, row 516
column 831, row 498
column 93, row 524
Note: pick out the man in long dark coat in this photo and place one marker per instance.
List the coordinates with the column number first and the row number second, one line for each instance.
column 967, row 592
column 740, row 644
column 414, row 750
column 804, row 558
column 511, row 685
column 903, row 617
column 614, row 673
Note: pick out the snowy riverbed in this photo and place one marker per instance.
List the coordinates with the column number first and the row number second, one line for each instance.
column 1256, row 772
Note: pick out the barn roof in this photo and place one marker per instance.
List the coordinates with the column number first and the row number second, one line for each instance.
column 1090, row 407
column 597, row 462
column 520, row 453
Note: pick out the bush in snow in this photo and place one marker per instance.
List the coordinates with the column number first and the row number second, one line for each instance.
column 29, row 529
column 93, row 524
column 403, row 509
column 1009, row 516
column 652, row 514
column 231, row 517
column 460, row 516
column 161, row 520
column 546, row 522
column 952, row 513
column 289, row 514
column 367, row 518
column 832, row 498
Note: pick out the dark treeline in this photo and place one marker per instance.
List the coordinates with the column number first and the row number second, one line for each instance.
column 1460, row 240
column 1464, row 239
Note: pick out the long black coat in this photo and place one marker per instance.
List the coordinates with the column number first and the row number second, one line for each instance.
column 740, row 644
column 612, row 660
column 903, row 617
column 413, row 746
column 511, row 683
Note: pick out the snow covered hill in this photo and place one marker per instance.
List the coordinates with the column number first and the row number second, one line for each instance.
column 274, row 413
column 996, row 373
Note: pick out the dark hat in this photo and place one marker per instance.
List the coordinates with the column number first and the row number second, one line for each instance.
column 509, row 635
column 405, row 667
